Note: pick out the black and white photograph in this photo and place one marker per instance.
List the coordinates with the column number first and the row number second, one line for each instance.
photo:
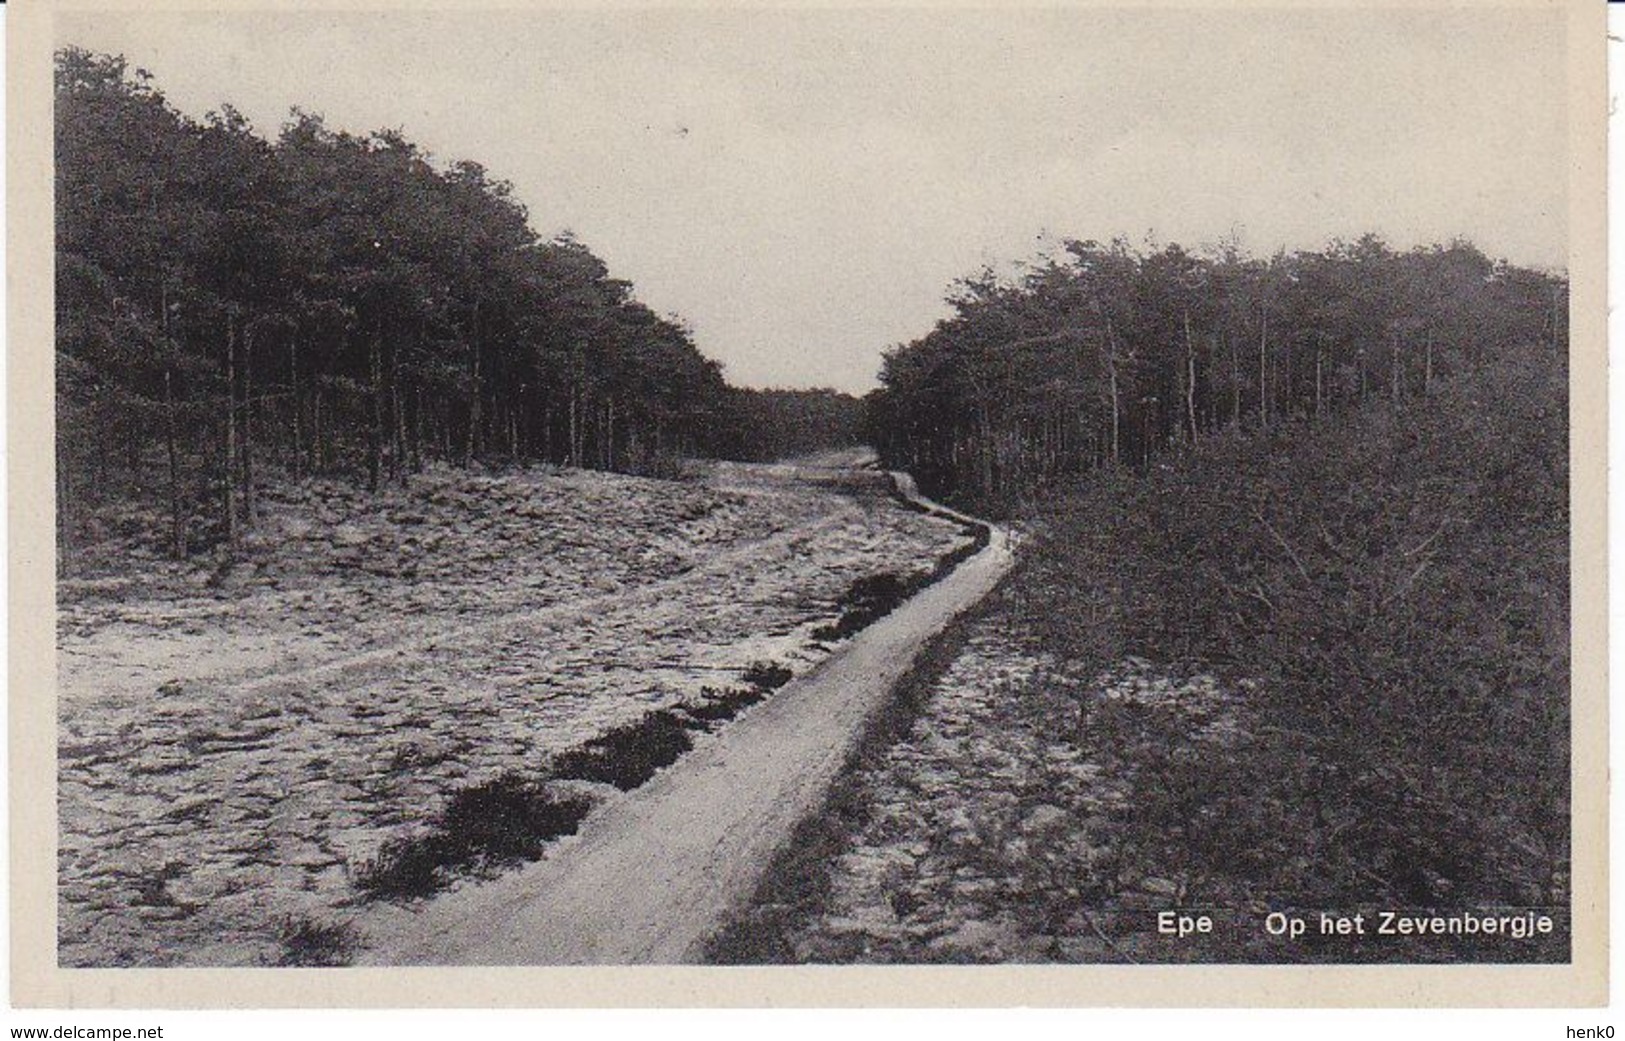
column 730, row 486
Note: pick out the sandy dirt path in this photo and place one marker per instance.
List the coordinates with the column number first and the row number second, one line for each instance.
column 655, row 872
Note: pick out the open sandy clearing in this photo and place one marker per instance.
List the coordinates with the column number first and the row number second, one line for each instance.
column 233, row 749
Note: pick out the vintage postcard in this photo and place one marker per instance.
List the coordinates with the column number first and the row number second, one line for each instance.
column 712, row 504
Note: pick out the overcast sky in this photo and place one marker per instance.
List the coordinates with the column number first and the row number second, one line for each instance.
column 803, row 187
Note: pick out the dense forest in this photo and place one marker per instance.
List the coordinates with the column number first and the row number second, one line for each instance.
column 784, row 423
column 1336, row 480
column 1109, row 354
column 230, row 307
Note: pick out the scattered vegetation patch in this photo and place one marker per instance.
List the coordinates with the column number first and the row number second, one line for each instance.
column 508, row 820
column 629, row 755
column 767, row 675
column 303, row 941
column 719, row 706
column 866, row 601
column 482, row 828
column 152, row 887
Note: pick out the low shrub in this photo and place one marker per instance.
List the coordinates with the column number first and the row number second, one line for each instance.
column 719, row 706
column 629, row 755
column 482, row 828
column 766, row 675
column 865, row 601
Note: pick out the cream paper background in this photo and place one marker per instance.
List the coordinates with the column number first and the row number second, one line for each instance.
column 37, row 981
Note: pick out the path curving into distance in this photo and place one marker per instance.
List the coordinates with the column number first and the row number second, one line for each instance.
column 656, row 871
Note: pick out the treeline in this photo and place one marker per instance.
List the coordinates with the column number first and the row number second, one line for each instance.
column 1111, row 355
column 784, row 423
column 327, row 303
column 1338, row 481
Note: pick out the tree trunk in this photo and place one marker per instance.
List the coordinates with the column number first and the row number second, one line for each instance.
column 64, row 497
column 577, row 431
column 101, row 457
column 1235, row 381
column 230, row 468
column 1394, row 370
column 1319, row 392
column 176, row 520
column 1190, row 377
column 1427, row 364
column 318, row 457
column 474, row 417
column 298, row 404
column 572, row 456
column 985, row 453
column 134, row 449
column 249, row 505
column 1117, row 408
column 375, row 426
column 397, row 453
column 1263, row 370
column 1286, row 383
column 416, row 428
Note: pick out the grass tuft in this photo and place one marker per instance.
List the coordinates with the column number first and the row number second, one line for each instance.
column 308, row 943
